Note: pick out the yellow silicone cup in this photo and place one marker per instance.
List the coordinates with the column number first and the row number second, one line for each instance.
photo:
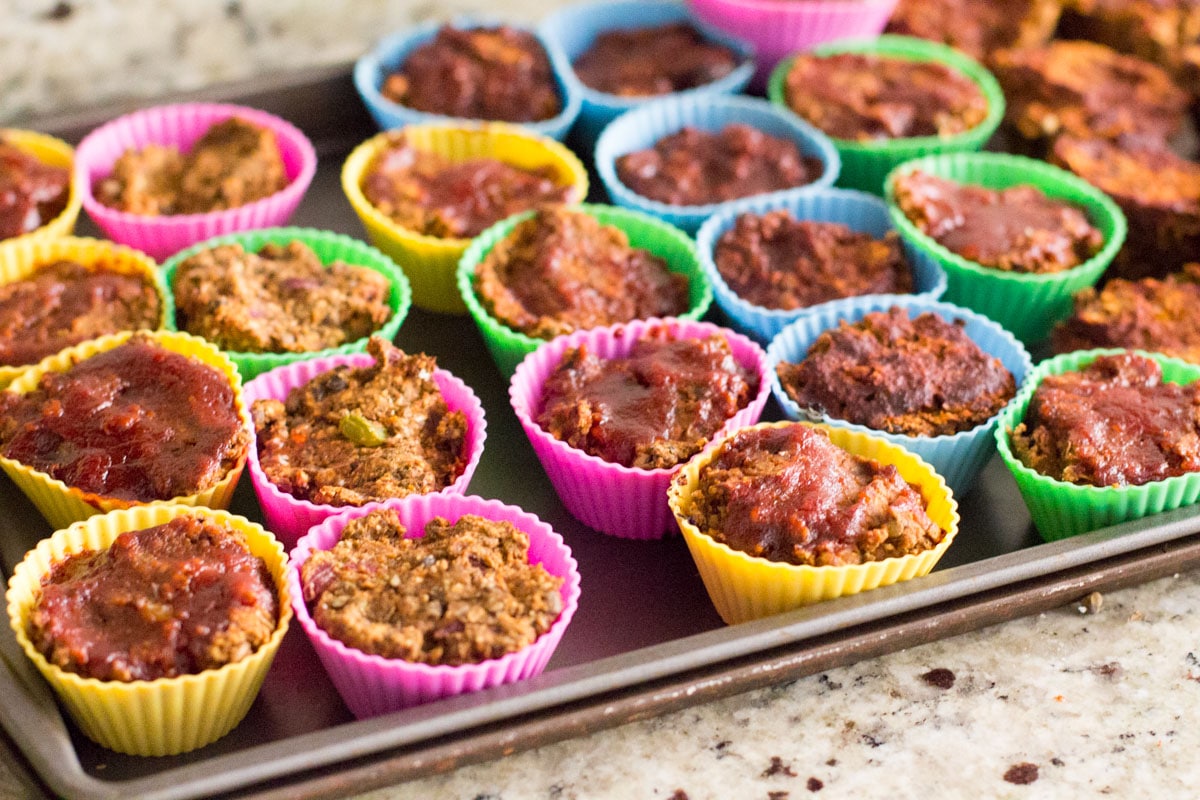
column 744, row 587
column 428, row 261
column 168, row 715
column 56, row 153
column 22, row 256
column 61, row 504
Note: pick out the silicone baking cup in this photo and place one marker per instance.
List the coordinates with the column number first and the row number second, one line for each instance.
column 574, row 29
column 182, row 126
column 55, row 153
column 329, row 247
column 777, row 29
column 371, row 684
column 856, row 210
column 644, row 126
column 290, row 517
column 392, row 52
column 61, row 504
column 20, row 258
column 509, row 346
column 168, row 715
column 429, row 261
column 1060, row 509
column 743, row 587
column 957, row 457
column 1028, row 305
column 866, row 163
column 612, row 498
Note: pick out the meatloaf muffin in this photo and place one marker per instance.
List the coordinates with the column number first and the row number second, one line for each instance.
column 234, row 163
column 561, row 270
column 652, row 409
column 1018, row 229
column 355, row 435
column 459, row 594
column 1159, row 31
column 776, row 261
column 31, row 193
column 1115, row 423
column 161, row 602
column 917, row 376
column 643, row 62
column 281, row 299
column 789, row 494
column 977, row 27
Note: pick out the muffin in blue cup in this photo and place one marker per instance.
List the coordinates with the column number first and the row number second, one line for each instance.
column 957, row 455
column 858, row 211
column 372, row 71
column 762, row 134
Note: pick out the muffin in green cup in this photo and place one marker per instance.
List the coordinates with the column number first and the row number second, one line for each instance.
column 1060, row 508
column 1028, row 304
column 509, row 346
column 328, row 247
column 866, row 162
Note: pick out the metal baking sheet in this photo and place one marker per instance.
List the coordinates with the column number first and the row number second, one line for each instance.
column 645, row 640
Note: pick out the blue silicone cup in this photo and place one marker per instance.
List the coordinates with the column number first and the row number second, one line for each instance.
column 854, row 209
column 573, row 30
column 372, row 67
column 956, row 457
column 644, row 126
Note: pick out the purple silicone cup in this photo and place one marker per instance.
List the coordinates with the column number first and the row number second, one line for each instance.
column 612, row 498
column 289, row 517
column 182, row 125
column 371, row 684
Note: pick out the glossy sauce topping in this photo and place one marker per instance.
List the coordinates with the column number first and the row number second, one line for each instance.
column 652, row 61
column 31, row 193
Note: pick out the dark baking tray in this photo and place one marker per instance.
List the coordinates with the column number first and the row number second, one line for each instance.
column 645, row 640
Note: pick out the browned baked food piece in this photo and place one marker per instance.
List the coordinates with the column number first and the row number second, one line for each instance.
column 789, row 494
column 31, row 193
column 1158, row 190
column 1159, row 31
column 1159, row 315
column 459, row 594
column 561, row 270
column 656, row 60
column 1114, row 423
column 977, row 27
column 496, row 73
column 918, row 376
column 1018, row 229
column 776, row 261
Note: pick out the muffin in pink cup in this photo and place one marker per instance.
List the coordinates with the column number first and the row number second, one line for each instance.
column 365, row 456
column 154, row 226
column 372, row 684
column 778, row 28
column 599, row 479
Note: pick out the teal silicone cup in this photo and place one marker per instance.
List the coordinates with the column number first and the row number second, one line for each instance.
column 856, row 210
column 329, row 247
column 387, row 56
column 1026, row 304
column 508, row 347
column 644, row 126
column 957, row 457
column 1060, row 509
column 866, row 163
column 574, row 28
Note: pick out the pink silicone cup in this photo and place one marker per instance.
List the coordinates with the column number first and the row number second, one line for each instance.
column 371, row 684
column 182, row 125
column 290, row 517
column 612, row 498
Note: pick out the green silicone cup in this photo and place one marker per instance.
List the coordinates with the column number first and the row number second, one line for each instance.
column 1028, row 305
column 329, row 247
column 866, row 164
column 1060, row 509
column 508, row 347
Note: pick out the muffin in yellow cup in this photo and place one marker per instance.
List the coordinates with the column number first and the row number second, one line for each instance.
column 430, row 261
column 55, row 153
column 163, row 716
column 745, row 587
column 20, row 258
column 62, row 504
